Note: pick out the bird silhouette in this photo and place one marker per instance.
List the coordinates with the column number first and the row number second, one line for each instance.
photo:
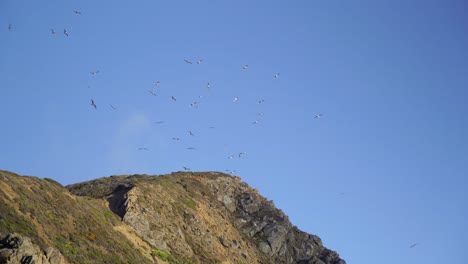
column 93, row 104
column 173, row 98
column 318, row 116
column 186, row 168
column 199, row 61
column 65, row 32
column 143, row 148
column 113, row 107
column 10, row 26
column 188, row 62
column 277, row 75
column 152, row 92
column 412, row 246
column 53, row 31
column 77, row 12
column 191, row 133
column 245, row 67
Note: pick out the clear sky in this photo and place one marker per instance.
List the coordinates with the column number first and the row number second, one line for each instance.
column 383, row 168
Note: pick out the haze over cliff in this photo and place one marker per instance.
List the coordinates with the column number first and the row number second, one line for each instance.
column 184, row 217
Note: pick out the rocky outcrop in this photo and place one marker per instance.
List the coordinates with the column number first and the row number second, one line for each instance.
column 269, row 227
column 181, row 218
column 15, row 249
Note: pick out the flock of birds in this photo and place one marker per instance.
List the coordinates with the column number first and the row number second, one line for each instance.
column 173, row 98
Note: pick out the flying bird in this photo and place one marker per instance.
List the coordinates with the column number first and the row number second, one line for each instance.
column 113, row 108
column 77, row 12
column 318, row 116
column 256, row 122
column 208, row 85
column 191, row 148
column 159, row 122
column 230, row 171
column 152, row 92
column 240, row 154
column 53, row 31
column 175, row 138
column 199, row 61
column 156, row 83
column 143, row 148
column 190, row 132
column 277, row 75
column 65, row 32
column 261, row 101
column 188, row 62
column 194, row 104
column 260, row 114
column 186, row 168
column 94, row 72
column 245, row 67
column 412, row 246
column 10, row 26
column 235, row 99
column 93, row 104
column 231, row 157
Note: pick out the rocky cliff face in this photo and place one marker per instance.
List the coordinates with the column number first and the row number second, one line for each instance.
column 180, row 218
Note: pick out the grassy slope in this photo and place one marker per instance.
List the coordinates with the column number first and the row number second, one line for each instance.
column 78, row 226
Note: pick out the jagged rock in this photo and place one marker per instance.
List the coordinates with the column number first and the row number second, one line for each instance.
column 199, row 218
column 15, row 249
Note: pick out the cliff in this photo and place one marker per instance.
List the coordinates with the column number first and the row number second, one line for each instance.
column 183, row 217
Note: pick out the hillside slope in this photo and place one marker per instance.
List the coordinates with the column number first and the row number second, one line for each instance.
column 179, row 218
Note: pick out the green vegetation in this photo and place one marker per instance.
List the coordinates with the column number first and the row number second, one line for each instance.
column 81, row 228
column 171, row 259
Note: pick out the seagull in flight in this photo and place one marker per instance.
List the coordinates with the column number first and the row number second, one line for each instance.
column 240, row 154
column 152, row 92
column 175, row 138
column 65, row 32
column 190, row 132
column 77, row 12
column 186, row 168
column 113, row 107
column 194, row 104
column 256, row 122
column 412, row 246
column 53, row 31
column 208, row 85
column 173, row 98
column 143, row 148
column 188, row 62
column 277, row 75
column 156, row 83
column 231, row 157
column 159, row 122
column 230, row 171
column 261, row 101
column 191, row 148
column 93, row 104
column 94, row 72
column 235, row 99
column 245, row 67
column 10, row 26
column 318, row 116
column 199, row 61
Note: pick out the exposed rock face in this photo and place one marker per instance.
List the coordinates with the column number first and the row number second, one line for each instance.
column 180, row 218
column 15, row 248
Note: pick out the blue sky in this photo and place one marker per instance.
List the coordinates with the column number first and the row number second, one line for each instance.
column 384, row 167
